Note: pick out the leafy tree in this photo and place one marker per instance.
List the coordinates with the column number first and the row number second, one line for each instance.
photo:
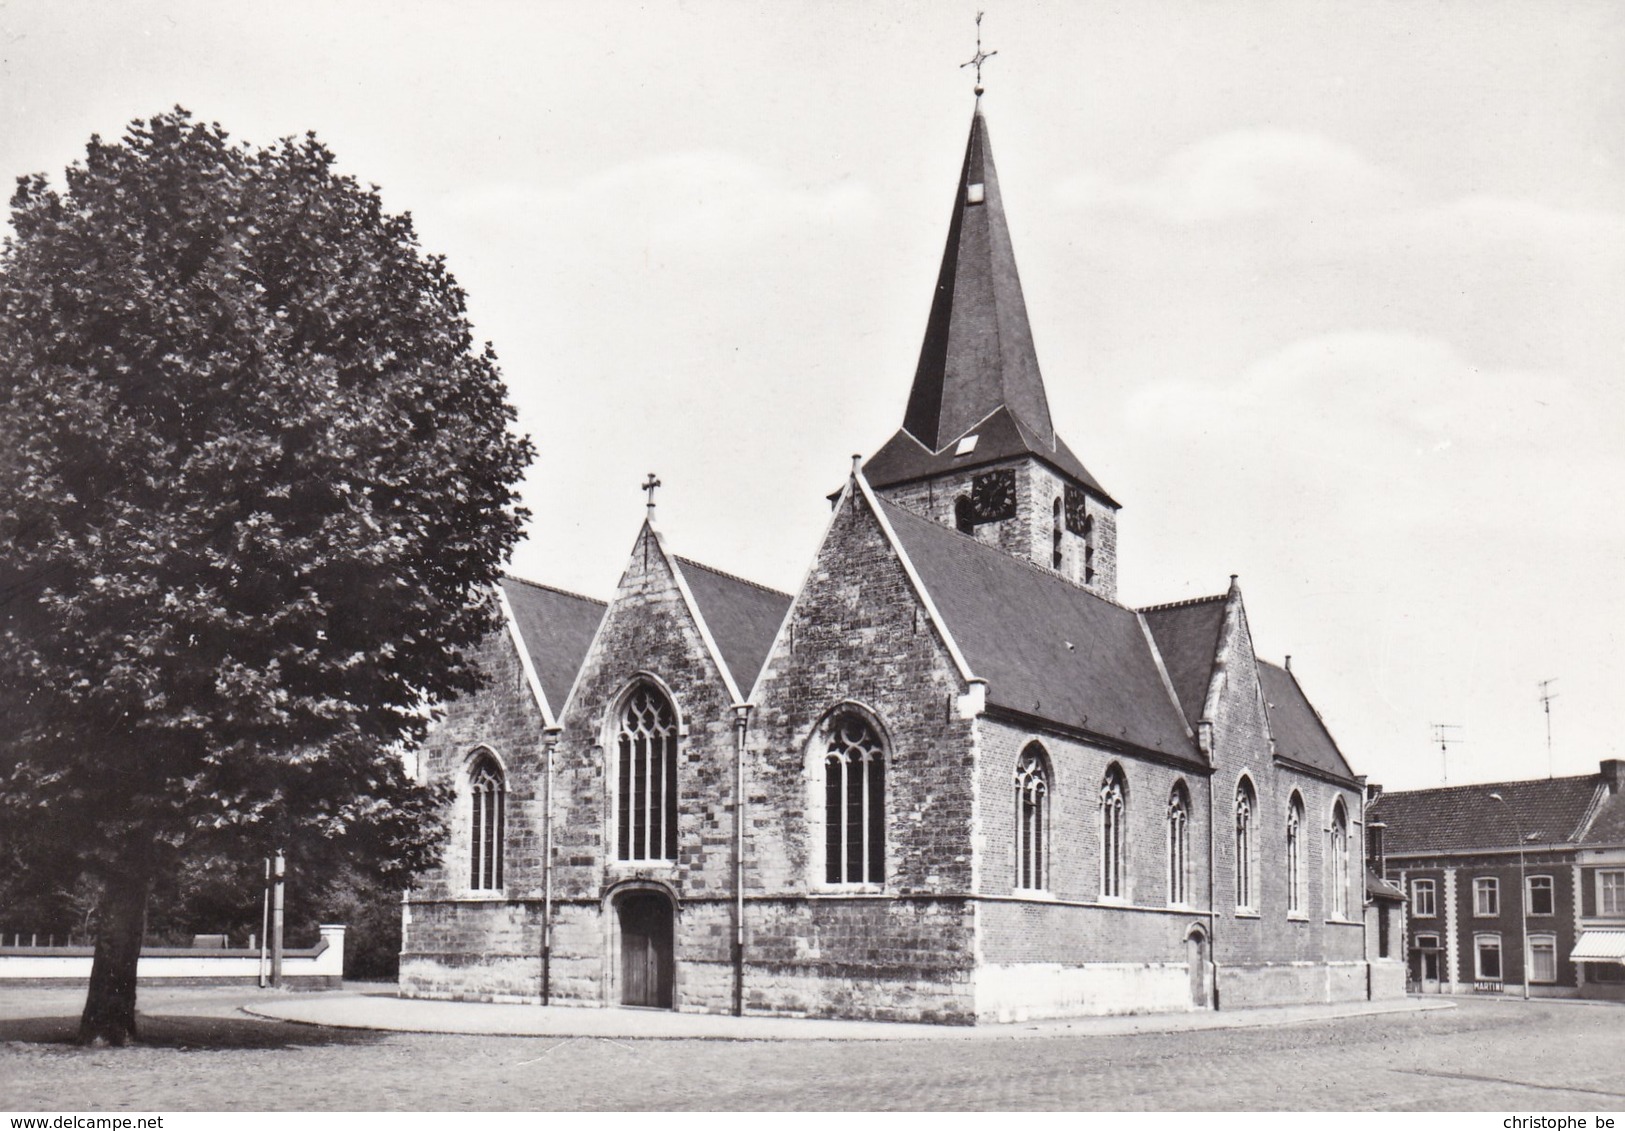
column 256, row 481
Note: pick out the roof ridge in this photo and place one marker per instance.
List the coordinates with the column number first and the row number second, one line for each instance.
column 555, row 589
column 734, row 577
column 1181, row 604
column 1007, row 556
column 1483, row 785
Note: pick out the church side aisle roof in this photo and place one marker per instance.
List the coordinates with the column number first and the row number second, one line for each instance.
column 1298, row 730
column 1187, row 636
column 743, row 616
column 1046, row 647
column 557, row 628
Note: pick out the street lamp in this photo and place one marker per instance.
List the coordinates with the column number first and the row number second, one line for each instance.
column 1523, row 892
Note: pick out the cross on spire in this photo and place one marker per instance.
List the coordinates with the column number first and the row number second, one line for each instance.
column 649, row 486
column 980, row 57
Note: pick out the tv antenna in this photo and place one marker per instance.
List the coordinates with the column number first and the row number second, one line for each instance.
column 1444, row 740
column 1546, row 697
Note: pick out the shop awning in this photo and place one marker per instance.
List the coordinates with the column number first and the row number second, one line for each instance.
column 1600, row 946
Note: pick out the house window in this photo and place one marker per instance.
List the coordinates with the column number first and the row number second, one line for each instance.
column 854, row 803
column 1340, row 862
column 1179, row 821
column 487, row 797
column 1610, row 973
column 1543, row 958
column 1424, row 899
column 1486, row 897
column 1114, row 835
column 1611, row 893
column 1032, row 815
column 1246, row 802
column 1487, row 958
column 646, row 801
column 1294, row 855
column 1540, row 896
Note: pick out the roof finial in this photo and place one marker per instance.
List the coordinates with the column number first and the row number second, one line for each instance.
column 649, row 485
column 979, row 58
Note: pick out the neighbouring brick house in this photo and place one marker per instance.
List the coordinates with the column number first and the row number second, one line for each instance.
column 1474, row 895
column 952, row 778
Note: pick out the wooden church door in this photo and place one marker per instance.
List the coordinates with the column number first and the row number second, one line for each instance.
column 646, row 949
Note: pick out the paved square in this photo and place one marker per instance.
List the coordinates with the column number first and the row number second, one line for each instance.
column 1484, row 1055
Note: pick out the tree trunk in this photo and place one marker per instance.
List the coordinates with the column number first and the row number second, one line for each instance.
column 121, row 922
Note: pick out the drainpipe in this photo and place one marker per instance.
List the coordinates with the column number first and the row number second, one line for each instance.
column 741, row 727
column 1204, row 733
column 550, row 741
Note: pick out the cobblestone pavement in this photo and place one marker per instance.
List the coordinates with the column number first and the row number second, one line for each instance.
column 200, row 1055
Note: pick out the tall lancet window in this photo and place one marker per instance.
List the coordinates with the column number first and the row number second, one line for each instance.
column 1294, row 855
column 1339, row 862
column 1057, row 556
column 487, row 797
column 1114, row 835
column 646, row 800
column 854, row 803
column 1032, row 817
column 1179, row 841
column 1246, row 804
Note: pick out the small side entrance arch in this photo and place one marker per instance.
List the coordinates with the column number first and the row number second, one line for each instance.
column 646, row 920
column 1196, row 960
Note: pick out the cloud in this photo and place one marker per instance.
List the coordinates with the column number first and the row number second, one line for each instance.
column 1401, row 431
column 1245, row 173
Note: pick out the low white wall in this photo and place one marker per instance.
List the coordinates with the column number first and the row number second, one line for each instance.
column 322, row 964
column 1032, row 991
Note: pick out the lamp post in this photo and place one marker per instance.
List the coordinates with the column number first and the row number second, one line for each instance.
column 1523, row 891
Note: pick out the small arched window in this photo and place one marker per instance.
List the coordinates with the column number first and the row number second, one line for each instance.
column 1246, row 806
column 488, row 796
column 1179, row 821
column 1339, row 861
column 1114, row 835
column 964, row 515
column 1294, row 854
column 854, row 803
column 1056, row 554
column 1032, row 816
column 646, row 794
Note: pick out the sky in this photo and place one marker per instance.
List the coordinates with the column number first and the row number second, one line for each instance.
column 1327, row 294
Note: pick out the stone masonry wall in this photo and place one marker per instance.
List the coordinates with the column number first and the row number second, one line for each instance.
column 1030, row 534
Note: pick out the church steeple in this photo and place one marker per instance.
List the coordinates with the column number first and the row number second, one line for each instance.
column 978, row 353
column 977, row 450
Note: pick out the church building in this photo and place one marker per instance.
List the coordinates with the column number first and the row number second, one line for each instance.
column 951, row 779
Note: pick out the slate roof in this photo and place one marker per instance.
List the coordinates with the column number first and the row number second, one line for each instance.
column 1462, row 818
column 1187, row 635
column 1014, row 622
column 978, row 350
column 1296, row 727
column 743, row 617
column 557, row 628
column 1608, row 825
column 1000, row 436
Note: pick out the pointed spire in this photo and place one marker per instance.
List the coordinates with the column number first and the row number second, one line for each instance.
column 978, row 354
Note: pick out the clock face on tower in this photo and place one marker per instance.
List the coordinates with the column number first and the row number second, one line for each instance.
column 993, row 496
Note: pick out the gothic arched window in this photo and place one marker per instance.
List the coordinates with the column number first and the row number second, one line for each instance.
column 1340, row 862
column 1246, row 804
column 1179, row 822
column 1294, row 855
column 1114, row 835
column 646, row 797
column 1056, row 554
column 488, row 794
column 854, row 803
column 1032, row 815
